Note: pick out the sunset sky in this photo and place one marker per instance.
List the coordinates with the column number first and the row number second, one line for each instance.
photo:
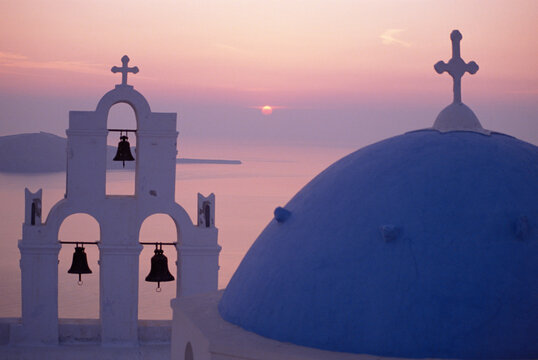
column 337, row 72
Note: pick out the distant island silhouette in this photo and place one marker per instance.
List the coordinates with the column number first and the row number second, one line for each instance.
column 34, row 153
column 207, row 161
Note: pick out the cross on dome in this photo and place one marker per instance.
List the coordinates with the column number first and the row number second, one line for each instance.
column 124, row 69
column 457, row 116
column 456, row 67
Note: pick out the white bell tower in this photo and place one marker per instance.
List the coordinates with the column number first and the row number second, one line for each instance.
column 120, row 218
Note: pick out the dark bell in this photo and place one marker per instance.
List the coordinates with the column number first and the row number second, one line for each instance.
column 124, row 151
column 159, row 269
column 80, row 263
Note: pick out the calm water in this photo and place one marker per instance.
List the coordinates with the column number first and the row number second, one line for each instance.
column 246, row 196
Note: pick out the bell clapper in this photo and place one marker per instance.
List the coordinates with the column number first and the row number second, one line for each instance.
column 158, row 289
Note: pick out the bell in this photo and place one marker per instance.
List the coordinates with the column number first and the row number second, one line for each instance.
column 80, row 264
column 124, row 151
column 159, row 268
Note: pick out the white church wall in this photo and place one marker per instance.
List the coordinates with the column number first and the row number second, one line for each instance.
column 39, row 287
column 185, row 332
column 197, row 321
column 202, row 265
column 88, row 331
column 86, row 156
column 119, row 290
column 156, row 153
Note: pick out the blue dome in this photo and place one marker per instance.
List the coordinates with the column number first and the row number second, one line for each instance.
column 421, row 245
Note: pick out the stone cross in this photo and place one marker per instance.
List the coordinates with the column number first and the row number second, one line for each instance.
column 456, row 67
column 124, row 70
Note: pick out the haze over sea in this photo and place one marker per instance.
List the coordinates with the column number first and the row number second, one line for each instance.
column 246, row 196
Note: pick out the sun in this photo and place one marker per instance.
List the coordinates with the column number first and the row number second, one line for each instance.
column 267, row 110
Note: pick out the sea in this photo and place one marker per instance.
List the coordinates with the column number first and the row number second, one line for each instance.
column 246, row 196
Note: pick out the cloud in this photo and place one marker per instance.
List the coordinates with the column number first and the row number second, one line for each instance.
column 274, row 107
column 233, row 50
column 388, row 37
column 12, row 60
column 228, row 47
column 523, row 92
column 7, row 56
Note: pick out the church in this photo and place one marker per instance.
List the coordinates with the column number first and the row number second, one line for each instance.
column 118, row 333
column 423, row 245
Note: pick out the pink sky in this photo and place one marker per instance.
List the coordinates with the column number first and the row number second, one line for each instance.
column 354, row 58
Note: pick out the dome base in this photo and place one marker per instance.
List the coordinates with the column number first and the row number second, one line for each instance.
column 458, row 117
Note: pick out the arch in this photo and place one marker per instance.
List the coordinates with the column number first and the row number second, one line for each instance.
column 61, row 211
column 118, row 113
column 120, row 116
column 178, row 214
column 207, row 214
column 158, row 219
column 158, row 227
column 125, row 94
column 80, row 227
column 183, row 221
column 76, row 301
column 189, row 355
column 32, row 222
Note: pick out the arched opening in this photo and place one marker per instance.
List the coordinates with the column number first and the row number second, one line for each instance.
column 207, row 214
column 188, row 352
column 120, row 180
column 32, row 222
column 78, row 300
column 153, row 304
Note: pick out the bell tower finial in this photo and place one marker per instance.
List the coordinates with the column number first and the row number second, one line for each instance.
column 457, row 116
column 124, row 69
